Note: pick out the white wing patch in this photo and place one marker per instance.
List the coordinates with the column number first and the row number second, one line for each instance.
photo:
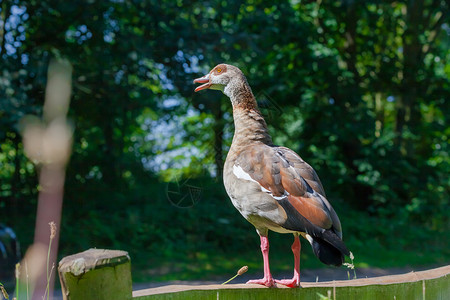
column 241, row 174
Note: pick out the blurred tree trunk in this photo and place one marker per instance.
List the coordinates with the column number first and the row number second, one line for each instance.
column 351, row 23
column 351, row 147
column 420, row 17
column 109, row 160
column 4, row 15
column 408, row 114
column 218, row 139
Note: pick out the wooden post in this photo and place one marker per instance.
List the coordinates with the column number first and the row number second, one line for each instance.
column 96, row 274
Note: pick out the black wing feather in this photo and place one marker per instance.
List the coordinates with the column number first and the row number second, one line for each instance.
column 296, row 222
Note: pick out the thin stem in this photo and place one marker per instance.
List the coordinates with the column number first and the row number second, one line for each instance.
column 17, row 280
column 230, row 279
column 48, row 261
column 3, row 291
column 52, row 236
column 47, row 289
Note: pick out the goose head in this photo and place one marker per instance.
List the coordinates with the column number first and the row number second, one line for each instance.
column 222, row 77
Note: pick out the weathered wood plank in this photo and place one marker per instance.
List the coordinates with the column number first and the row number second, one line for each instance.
column 105, row 274
column 430, row 284
column 96, row 274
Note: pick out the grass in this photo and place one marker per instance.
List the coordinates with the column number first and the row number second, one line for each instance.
column 4, row 293
column 21, row 268
column 375, row 243
column 219, row 265
column 49, row 271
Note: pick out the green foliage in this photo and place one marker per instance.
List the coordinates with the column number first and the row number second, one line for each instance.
column 358, row 90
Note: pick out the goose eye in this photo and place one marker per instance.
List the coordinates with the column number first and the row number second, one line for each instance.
column 219, row 70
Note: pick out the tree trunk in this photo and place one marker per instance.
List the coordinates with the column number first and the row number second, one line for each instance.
column 408, row 114
column 218, row 139
column 4, row 15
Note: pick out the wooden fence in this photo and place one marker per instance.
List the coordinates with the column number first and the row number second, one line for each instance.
column 106, row 274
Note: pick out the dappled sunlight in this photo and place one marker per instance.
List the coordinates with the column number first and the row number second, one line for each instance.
column 97, row 107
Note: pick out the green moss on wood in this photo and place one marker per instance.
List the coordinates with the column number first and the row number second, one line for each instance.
column 435, row 289
column 96, row 274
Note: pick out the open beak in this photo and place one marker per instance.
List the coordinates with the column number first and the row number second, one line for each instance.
column 205, row 80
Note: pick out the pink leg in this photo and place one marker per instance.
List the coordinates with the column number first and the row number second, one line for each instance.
column 267, row 280
column 295, row 281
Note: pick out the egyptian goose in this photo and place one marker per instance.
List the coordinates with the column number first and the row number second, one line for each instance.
column 271, row 186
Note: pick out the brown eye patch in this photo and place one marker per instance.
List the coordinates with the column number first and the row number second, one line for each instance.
column 220, row 69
